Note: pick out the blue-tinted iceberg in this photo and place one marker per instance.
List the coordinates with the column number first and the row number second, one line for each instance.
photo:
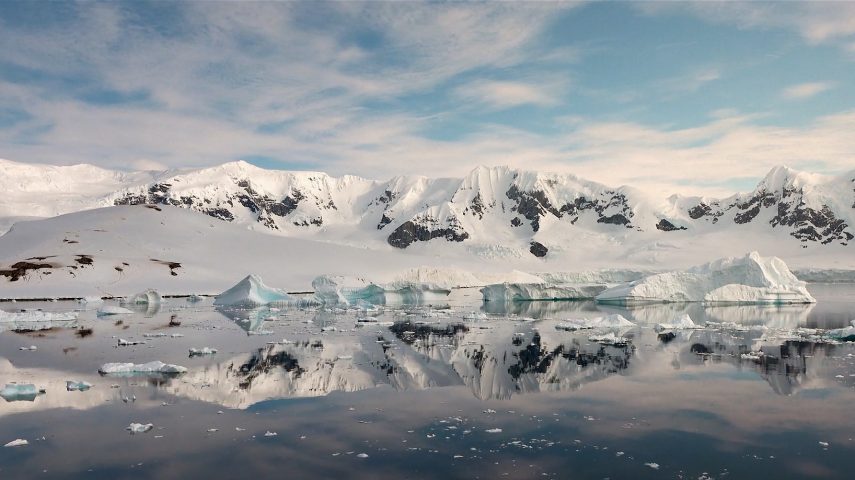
column 251, row 292
column 341, row 290
column 14, row 392
column 751, row 279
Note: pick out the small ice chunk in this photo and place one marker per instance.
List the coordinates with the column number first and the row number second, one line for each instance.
column 493, row 430
column 653, row 465
column 613, row 321
column 194, row 352
column 362, row 455
column 31, row 348
column 823, row 444
column 139, row 427
column 124, row 343
column 131, row 368
column 107, row 310
column 683, row 322
column 18, row 442
column 270, row 434
column 77, row 386
column 148, row 297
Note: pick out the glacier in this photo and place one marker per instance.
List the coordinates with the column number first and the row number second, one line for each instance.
column 751, row 279
column 251, row 292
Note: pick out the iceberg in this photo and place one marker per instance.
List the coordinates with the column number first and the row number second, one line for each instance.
column 341, row 290
column 31, row 321
column 148, row 297
column 77, row 386
column 194, row 352
column 751, row 279
column 846, row 334
column 18, row 442
column 609, row 322
column 14, row 392
column 251, row 292
column 139, row 427
column 518, row 292
column 107, row 310
column 683, row 322
column 130, row 369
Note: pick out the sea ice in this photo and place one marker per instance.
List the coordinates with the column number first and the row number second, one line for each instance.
column 516, row 292
column 751, row 279
column 131, row 368
column 251, row 292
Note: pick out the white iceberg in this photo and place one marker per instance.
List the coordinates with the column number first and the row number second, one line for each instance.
column 143, row 368
column 194, row 352
column 107, row 310
column 35, row 320
column 18, row 442
column 139, row 427
column 77, row 386
column 751, row 279
column 148, row 297
column 614, row 321
column 683, row 322
column 251, row 292
column 516, row 292
column 14, row 392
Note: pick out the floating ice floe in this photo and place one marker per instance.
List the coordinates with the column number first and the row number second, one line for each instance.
column 140, row 369
column 35, row 320
column 18, row 442
column 14, row 392
column 107, row 310
column 148, row 297
column 251, row 292
column 845, row 334
column 613, row 321
column 126, row 343
column 608, row 339
column 683, row 322
column 77, row 386
column 197, row 352
column 31, row 348
column 520, row 292
column 139, row 427
column 751, row 279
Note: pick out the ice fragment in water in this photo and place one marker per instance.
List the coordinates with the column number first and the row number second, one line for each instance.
column 202, row 351
column 144, row 368
column 18, row 442
column 139, row 427
column 20, row 392
column 77, row 386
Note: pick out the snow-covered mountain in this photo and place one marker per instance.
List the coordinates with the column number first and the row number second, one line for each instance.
column 495, row 211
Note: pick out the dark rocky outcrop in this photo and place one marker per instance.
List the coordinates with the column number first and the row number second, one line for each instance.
column 538, row 249
column 667, row 226
column 410, row 232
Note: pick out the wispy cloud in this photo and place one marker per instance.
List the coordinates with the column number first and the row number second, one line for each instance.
column 499, row 94
column 806, row 90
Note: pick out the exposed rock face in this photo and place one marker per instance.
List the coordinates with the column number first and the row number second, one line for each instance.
column 667, row 226
column 427, row 229
column 538, row 249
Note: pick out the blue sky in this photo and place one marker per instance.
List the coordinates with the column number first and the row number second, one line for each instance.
column 670, row 97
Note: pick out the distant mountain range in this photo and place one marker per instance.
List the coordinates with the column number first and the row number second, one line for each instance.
column 494, row 208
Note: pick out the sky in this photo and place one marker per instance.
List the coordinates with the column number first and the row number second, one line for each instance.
column 670, row 97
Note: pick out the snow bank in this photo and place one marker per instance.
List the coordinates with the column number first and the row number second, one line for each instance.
column 36, row 320
column 504, row 292
column 143, row 368
column 751, row 279
column 251, row 292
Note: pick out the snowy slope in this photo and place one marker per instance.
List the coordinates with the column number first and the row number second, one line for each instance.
column 495, row 212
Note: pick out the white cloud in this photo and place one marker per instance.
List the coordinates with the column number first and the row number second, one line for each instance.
column 499, row 94
column 806, row 90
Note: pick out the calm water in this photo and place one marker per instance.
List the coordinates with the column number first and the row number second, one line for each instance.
column 437, row 393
